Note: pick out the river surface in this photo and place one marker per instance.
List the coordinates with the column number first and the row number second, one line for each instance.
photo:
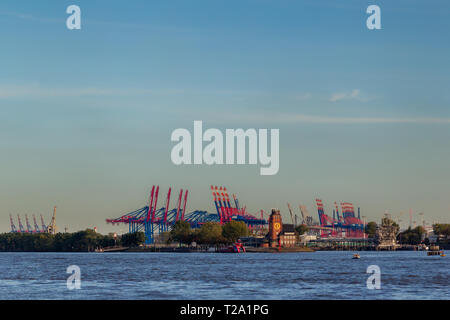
column 318, row 275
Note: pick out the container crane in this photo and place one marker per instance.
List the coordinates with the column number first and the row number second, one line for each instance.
column 179, row 205
column 36, row 227
column 167, row 206
column 44, row 227
column 184, row 205
column 21, row 228
column 52, row 226
column 29, row 229
column 303, row 215
column 290, row 211
column 155, row 204
column 13, row 227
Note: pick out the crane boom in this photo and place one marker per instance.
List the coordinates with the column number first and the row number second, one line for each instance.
column 154, row 205
column 51, row 228
column 44, row 227
column 150, row 205
column 184, row 205
column 179, row 205
column 303, row 215
column 36, row 227
column 290, row 211
column 13, row 227
column 21, row 228
column 167, row 205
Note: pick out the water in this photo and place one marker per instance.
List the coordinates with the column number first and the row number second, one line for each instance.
column 318, row 275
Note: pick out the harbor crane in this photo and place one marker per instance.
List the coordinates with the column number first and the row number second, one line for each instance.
column 44, row 227
column 36, row 227
column 29, row 229
column 303, row 215
column 52, row 226
column 32, row 227
column 21, row 228
column 307, row 219
column 290, row 211
column 13, row 226
column 153, row 220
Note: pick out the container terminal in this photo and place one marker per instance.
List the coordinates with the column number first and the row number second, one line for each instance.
column 344, row 229
column 153, row 220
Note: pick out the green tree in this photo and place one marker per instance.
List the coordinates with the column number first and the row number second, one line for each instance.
column 301, row 229
column 442, row 230
column 163, row 237
column 371, row 229
column 181, row 232
column 411, row 236
column 210, row 233
column 86, row 240
column 233, row 230
column 134, row 239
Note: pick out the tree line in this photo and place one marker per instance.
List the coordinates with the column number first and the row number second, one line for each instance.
column 442, row 230
column 213, row 233
column 81, row 241
column 412, row 236
column 88, row 240
column 210, row 233
column 415, row 235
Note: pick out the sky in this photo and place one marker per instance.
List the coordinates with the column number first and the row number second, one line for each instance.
column 86, row 115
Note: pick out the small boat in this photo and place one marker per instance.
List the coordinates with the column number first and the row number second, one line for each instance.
column 356, row 256
column 237, row 247
column 435, row 251
column 442, row 253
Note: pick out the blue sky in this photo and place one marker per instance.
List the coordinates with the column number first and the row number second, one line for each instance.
column 86, row 115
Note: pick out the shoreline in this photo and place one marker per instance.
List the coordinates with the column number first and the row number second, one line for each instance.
column 186, row 250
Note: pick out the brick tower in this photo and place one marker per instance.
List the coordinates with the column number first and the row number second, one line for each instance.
column 275, row 227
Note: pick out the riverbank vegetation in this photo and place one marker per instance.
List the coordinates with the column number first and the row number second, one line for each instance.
column 301, row 229
column 442, row 231
column 210, row 233
column 88, row 240
column 416, row 235
column 371, row 229
column 81, row 241
column 411, row 236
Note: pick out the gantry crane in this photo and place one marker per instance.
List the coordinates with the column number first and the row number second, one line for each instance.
column 290, row 211
column 21, row 228
column 29, row 228
column 303, row 215
column 44, row 227
column 13, row 227
column 36, row 227
column 52, row 226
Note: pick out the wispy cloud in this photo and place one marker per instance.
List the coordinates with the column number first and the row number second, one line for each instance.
column 303, row 96
column 30, row 17
column 355, row 94
column 300, row 118
column 283, row 118
column 37, row 91
column 109, row 24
